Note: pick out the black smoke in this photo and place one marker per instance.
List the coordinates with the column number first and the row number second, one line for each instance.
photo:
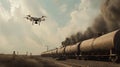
column 99, row 25
column 73, row 39
column 111, row 13
column 107, row 21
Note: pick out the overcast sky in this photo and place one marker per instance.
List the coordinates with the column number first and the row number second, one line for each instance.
column 64, row 17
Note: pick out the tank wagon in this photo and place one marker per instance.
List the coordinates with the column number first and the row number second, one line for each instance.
column 104, row 47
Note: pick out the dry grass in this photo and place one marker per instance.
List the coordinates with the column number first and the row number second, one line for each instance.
column 19, row 61
column 24, row 61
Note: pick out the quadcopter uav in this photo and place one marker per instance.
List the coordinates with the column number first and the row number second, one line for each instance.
column 35, row 20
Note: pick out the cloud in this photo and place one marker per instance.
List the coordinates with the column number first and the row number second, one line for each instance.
column 63, row 8
column 18, row 34
column 80, row 18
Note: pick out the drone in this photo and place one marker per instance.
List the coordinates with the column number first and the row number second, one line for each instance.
column 35, row 20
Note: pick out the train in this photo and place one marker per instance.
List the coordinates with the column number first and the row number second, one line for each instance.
column 106, row 46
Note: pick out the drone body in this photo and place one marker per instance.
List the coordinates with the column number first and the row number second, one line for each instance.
column 35, row 20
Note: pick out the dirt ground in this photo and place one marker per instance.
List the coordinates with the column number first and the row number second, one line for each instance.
column 24, row 61
column 86, row 63
column 27, row 61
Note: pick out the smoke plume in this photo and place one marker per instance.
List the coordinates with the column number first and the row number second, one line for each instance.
column 99, row 25
column 107, row 21
column 111, row 13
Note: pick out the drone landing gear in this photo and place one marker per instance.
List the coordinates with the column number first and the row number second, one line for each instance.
column 36, row 22
column 32, row 23
column 39, row 23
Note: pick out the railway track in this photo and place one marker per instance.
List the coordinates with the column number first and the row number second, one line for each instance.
column 74, row 64
column 91, row 63
column 62, row 63
column 80, row 63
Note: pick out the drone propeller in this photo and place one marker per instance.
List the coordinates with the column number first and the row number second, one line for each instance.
column 44, row 17
column 29, row 15
column 26, row 18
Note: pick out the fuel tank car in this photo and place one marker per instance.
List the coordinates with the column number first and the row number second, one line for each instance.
column 61, row 50
column 72, row 49
column 54, row 52
column 108, row 41
column 87, row 45
column 105, row 42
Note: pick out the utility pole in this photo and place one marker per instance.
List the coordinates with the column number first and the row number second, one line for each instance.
column 26, row 53
column 47, row 47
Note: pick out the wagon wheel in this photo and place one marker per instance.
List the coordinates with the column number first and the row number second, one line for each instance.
column 114, row 58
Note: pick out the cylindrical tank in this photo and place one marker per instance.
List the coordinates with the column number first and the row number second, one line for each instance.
column 54, row 51
column 87, row 45
column 61, row 50
column 51, row 52
column 104, row 42
column 46, row 53
column 72, row 49
column 68, row 49
column 107, row 41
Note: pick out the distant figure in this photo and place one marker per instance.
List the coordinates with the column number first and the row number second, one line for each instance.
column 35, row 20
column 14, row 55
column 30, row 54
